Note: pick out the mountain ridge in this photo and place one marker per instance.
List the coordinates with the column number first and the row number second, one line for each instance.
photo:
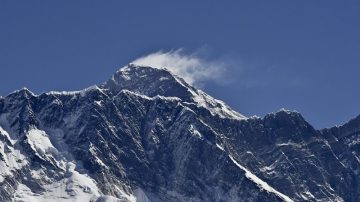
column 146, row 134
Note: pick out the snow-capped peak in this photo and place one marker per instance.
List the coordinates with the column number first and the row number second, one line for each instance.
column 152, row 82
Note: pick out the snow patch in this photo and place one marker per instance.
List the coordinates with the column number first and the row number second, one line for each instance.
column 92, row 150
column 140, row 195
column 40, row 142
column 82, row 93
column 216, row 107
column 172, row 99
column 12, row 160
column 99, row 103
column 259, row 182
column 194, row 131
column 163, row 78
column 307, row 196
column 220, row 147
column 74, row 187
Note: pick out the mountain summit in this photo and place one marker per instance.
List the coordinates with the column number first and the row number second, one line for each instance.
column 146, row 135
column 153, row 82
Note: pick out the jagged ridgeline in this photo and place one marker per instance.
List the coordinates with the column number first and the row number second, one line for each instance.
column 147, row 135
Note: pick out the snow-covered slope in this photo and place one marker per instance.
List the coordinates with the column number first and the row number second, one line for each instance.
column 146, row 135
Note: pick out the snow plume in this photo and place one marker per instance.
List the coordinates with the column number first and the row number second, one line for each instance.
column 190, row 67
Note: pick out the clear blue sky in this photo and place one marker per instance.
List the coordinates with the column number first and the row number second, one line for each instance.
column 300, row 55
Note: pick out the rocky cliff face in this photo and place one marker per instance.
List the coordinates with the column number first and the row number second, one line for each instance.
column 146, row 135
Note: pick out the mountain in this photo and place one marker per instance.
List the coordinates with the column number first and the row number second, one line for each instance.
column 146, row 135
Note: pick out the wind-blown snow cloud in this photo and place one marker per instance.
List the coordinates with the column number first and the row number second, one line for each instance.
column 191, row 67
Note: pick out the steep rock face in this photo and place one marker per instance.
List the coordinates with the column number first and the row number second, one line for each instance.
column 345, row 143
column 122, row 142
column 286, row 151
column 146, row 135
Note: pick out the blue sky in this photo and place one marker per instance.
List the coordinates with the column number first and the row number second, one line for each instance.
column 300, row 55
